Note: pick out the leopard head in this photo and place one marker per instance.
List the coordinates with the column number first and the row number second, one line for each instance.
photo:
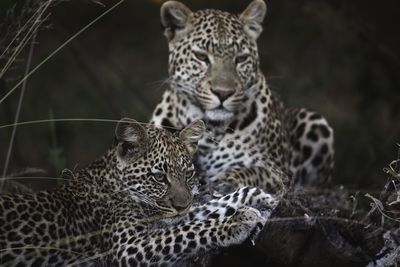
column 155, row 166
column 213, row 55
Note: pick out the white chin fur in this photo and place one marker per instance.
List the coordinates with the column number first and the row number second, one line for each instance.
column 218, row 115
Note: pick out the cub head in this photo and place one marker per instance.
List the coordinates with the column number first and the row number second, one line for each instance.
column 155, row 166
column 213, row 55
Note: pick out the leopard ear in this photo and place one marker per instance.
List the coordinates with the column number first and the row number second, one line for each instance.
column 191, row 134
column 174, row 18
column 252, row 18
column 132, row 139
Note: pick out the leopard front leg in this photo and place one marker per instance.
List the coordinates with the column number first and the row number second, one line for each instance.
column 227, row 205
column 270, row 178
column 311, row 147
column 172, row 245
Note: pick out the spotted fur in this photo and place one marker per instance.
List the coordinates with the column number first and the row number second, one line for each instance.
column 110, row 212
column 252, row 138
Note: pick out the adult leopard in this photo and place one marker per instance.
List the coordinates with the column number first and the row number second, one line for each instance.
column 214, row 75
column 109, row 213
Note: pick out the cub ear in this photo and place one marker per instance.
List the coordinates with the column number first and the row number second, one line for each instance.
column 191, row 134
column 252, row 17
column 174, row 18
column 132, row 139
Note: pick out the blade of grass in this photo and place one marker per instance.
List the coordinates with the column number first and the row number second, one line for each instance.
column 58, row 120
column 59, row 48
column 20, row 100
column 20, row 31
column 73, row 120
column 38, row 20
column 34, row 177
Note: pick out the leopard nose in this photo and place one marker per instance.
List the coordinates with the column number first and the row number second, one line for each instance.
column 181, row 202
column 222, row 94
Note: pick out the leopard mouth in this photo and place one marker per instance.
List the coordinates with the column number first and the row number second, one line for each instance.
column 169, row 211
column 183, row 212
column 172, row 213
column 218, row 114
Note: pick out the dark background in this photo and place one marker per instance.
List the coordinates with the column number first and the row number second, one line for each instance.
column 341, row 58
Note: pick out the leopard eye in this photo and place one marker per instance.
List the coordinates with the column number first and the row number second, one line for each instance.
column 189, row 174
column 241, row 59
column 160, row 177
column 201, row 56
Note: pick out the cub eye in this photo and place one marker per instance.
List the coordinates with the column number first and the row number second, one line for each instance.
column 201, row 56
column 241, row 59
column 160, row 177
column 189, row 174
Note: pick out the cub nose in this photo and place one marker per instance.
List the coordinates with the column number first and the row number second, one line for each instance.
column 181, row 202
column 222, row 94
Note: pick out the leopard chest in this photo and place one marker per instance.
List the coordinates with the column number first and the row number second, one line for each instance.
column 217, row 154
